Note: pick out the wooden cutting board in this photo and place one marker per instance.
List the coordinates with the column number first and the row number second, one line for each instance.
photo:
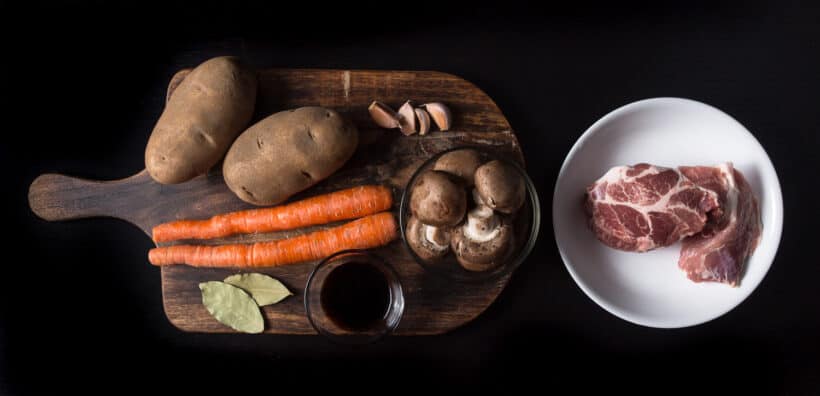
column 433, row 305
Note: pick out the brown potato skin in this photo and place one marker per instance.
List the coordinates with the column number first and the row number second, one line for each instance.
column 288, row 152
column 202, row 116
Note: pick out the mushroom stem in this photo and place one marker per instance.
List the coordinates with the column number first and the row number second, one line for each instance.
column 436, row 237
column 481, row 226
column 428, row 242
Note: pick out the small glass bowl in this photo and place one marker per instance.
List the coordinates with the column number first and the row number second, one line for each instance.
column 525, row 226
column 324, row 323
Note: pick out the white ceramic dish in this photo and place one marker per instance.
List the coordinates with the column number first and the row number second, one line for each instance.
column 648, row 288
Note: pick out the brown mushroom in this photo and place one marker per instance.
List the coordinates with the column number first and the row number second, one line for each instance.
column 428, row 242
column 461, row 163
column 482, row 215
column 500, row 186
column 482, row 242
column 438, row 200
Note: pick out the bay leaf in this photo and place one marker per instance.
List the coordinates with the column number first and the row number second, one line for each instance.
column 264, row 289
column 232, row 306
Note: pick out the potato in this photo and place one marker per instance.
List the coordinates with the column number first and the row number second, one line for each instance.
column 202, row 116
column 288, row 152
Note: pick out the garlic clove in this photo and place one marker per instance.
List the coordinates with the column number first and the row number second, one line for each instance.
column 424, row 121
column 441, row 115
column 407, row 118
column 383, row 115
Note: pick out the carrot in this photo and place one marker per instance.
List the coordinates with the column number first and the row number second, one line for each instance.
column 340, row 205
column 367, row 232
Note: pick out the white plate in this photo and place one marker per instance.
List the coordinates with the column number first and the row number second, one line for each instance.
column 648, row 288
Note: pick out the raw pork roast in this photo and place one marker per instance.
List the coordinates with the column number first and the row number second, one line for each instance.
column 712, row 209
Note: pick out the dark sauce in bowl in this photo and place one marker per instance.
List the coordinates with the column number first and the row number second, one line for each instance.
column 356, row 296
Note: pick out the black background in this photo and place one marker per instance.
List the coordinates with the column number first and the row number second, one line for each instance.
column 83, row 83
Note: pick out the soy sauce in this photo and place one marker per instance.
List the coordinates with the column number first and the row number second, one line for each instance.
column 356, row 296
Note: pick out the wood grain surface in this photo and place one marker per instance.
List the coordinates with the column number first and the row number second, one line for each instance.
column 433, row 305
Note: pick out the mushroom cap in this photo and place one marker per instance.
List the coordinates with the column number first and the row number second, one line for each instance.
column 500, row 186
column 428, row 242
column 479, row 248
column 438, row 200
column 461, row 163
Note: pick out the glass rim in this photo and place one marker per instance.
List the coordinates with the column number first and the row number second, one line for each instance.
column 353, row 338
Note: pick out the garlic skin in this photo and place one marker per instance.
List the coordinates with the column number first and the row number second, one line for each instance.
column 383, row 115
column 424, row 121
column 441, row 115
column 407, row 119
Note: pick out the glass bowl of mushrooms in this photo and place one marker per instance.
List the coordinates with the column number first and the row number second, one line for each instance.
column 469, row 214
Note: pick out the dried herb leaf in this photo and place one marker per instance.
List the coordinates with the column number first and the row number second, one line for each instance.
column 264, row 289
column 231, row 306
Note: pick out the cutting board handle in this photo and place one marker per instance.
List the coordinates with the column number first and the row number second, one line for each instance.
column 56, row 197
